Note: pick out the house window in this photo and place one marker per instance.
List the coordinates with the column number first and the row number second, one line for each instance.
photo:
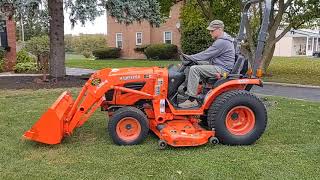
column 3, row 39
column 139, row 38
column 119, row 43
column 167, row 37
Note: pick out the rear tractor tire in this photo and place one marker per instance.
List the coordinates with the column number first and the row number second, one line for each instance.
column 238, row 118
column 128, row 126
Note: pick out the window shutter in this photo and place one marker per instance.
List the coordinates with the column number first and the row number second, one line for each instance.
column 4, row 37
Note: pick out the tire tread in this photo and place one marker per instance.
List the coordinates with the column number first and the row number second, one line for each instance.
column 121, row 113
column 222, row 100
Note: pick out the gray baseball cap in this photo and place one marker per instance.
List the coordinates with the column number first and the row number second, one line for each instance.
column 215, row 24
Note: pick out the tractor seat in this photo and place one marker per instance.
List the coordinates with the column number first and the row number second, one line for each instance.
column 236, row 70
column 212, row 80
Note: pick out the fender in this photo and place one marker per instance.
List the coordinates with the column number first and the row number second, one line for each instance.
column 238, row 84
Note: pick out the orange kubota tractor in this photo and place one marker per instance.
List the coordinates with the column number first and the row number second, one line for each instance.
column 140, row 99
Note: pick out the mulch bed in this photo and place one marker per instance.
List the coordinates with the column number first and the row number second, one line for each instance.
column 28, row 82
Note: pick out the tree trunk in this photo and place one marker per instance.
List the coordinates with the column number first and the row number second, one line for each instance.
column 57, row 55
column 245, row 50
column 267, row 59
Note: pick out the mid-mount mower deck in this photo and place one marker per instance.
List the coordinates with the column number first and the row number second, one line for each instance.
column 140, row 99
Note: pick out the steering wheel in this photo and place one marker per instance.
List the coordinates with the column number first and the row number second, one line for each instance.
column 186, row 61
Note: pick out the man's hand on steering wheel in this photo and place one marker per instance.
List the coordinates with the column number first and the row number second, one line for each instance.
column 186, row 61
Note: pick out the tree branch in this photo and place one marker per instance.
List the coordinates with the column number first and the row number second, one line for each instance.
column 210, row 10
column 299, row 24
column 272, row 14
column 278, row 18
column 284, row 32
column 260, row 11
column 204, row 9
column 287, row 4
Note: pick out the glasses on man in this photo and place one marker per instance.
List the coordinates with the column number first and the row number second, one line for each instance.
column 214, row 30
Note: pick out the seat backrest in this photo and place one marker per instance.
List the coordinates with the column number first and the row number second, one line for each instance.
column 240, row 60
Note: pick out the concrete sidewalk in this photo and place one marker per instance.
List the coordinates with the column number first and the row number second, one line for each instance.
column 78, row 71
column 69, row 72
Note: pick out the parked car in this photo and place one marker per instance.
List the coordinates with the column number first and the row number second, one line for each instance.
column 316, row 54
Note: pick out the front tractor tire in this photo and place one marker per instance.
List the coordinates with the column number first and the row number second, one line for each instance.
column 238, row 117
column 128, row 126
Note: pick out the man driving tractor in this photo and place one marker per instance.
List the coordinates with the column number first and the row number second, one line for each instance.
column 218, row 58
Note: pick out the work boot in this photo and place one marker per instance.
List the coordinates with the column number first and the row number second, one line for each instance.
column 188, row 104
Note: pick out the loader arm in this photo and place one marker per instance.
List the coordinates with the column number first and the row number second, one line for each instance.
column 65, row 114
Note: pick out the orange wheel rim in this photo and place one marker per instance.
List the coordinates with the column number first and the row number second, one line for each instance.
column 128, row 129
column 240, row 120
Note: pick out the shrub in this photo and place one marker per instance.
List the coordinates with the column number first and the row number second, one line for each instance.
column 87, row 54
column 68, row 43
column 1, row 65
column 2, row 51
column 161, row 51
column 23, row 57
column 141, row 48
column 105, row 53
column 83, row 42
column 26, row 67
column 38, row 45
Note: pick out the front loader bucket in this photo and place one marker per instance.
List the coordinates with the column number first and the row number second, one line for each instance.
column 49, row 129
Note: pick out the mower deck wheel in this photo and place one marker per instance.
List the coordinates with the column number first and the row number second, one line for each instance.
column 162, row 144
column 214, row 140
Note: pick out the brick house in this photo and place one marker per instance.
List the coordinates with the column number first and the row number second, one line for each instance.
column 8, row 42
column 127, row 37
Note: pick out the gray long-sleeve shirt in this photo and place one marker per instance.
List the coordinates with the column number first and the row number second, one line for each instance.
column 221, row 53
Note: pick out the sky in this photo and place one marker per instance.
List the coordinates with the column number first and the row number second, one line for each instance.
column 99, row 26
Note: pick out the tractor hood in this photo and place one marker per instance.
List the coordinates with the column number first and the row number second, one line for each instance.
column 125, row 71
column 128, row 74
column 131, row 71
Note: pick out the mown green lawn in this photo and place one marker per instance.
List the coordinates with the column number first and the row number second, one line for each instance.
column 289, row 149
column 298, row 70
column 80, row 62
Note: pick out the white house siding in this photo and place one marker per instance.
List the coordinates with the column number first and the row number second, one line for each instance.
column 284, row 47
column 298, row 42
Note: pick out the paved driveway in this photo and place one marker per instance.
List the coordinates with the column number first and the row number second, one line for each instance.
column 306, row 93
column 78, row 71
